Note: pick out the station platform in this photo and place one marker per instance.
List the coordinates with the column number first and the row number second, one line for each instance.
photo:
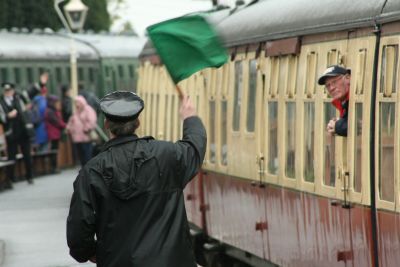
column 33, row 222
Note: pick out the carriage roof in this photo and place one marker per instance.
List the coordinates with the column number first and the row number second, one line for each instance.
column 47, row 45
column 271, row 19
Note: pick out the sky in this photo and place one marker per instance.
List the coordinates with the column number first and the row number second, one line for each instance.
column 143, row 13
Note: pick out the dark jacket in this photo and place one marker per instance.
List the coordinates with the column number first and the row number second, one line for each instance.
column 17, row 128
column 341, row 123
column 130, row 196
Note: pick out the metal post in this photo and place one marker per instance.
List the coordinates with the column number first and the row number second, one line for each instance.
column 73, row 61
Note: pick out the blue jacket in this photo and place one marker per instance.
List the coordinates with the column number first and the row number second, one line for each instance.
column 40, row 129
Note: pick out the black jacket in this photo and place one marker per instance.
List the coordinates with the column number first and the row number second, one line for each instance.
column 130, row 198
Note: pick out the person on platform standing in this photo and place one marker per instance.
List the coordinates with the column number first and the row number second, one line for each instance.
column 17, row 129
column 54, row 125
column 66, row 102
column 40, row 100
column 127, row 208
column 79, row 125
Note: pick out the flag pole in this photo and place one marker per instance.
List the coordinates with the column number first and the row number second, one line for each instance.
column 179, row 91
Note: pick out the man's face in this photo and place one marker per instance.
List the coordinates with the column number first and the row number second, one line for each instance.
column 9, row 92
column 338, row 86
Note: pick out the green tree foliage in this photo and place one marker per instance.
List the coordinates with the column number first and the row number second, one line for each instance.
column 98, row 18
column 41, row 14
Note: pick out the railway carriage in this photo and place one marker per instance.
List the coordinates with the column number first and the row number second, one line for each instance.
column 275, row 188
column 106, row 62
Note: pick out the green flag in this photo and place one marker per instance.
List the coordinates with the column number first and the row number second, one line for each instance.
column 186, row 45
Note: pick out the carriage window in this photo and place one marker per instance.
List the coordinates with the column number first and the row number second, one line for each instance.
column 172, row 118
column 211, row 136
column 389, row 69
column 121, row 71
column 58, row 74
column 166, row 117
column 251, row 97
column 131, row 71
column 80, row 74
column 17, row 75
column 69, row 73
column 151, row 129
column 309, row 134
column 329, row 147
column 273, row 137
column 156, row 128
column 290, row 139
column 4, row 74
column 237, row 95
column 29, row 73
column 224, row 132
column 358, row 147
column 386, row 151
column 91, row 75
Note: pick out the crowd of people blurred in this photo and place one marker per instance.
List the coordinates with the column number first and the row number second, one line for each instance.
column 35, row 121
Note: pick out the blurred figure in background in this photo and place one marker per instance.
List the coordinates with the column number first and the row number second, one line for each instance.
column 66, row 102
column 54, row 125
column 40, row 101
column 79, row 126
column 17, row 129
column 91, row 98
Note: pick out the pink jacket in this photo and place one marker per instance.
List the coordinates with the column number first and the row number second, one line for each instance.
column 82, row 121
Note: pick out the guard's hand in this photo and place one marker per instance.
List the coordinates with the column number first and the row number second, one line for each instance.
column 12, row 114
column 187, row 108
column 330, row 128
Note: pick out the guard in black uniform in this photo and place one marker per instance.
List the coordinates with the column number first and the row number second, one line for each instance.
column 18, row 129
column 127, row 209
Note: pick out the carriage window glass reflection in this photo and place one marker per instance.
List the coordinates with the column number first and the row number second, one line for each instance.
column 29, row 73
column 251, row 97
column 290, row 139
column 237, row 95
column 329, row 168
column 386, row 151
column 309, row 135
column 358, row 147
column 211, row 132
column 224, row 133
column 273, row 138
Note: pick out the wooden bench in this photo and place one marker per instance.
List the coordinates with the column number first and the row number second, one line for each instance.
column 5, row 182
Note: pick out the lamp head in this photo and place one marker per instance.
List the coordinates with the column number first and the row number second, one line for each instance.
column 76, row 12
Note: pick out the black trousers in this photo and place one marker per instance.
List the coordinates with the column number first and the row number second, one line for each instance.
column 12, row 149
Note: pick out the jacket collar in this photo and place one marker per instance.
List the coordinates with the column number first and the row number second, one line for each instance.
column 122, row 140
column 118, row 141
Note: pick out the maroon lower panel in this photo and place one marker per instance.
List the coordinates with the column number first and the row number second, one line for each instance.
column 288, row 227
column 389, row 239
column 193, row 197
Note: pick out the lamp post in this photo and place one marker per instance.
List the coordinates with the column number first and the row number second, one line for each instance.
column 76, row 13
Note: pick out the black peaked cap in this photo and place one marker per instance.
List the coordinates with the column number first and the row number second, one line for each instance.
column 121, row 106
